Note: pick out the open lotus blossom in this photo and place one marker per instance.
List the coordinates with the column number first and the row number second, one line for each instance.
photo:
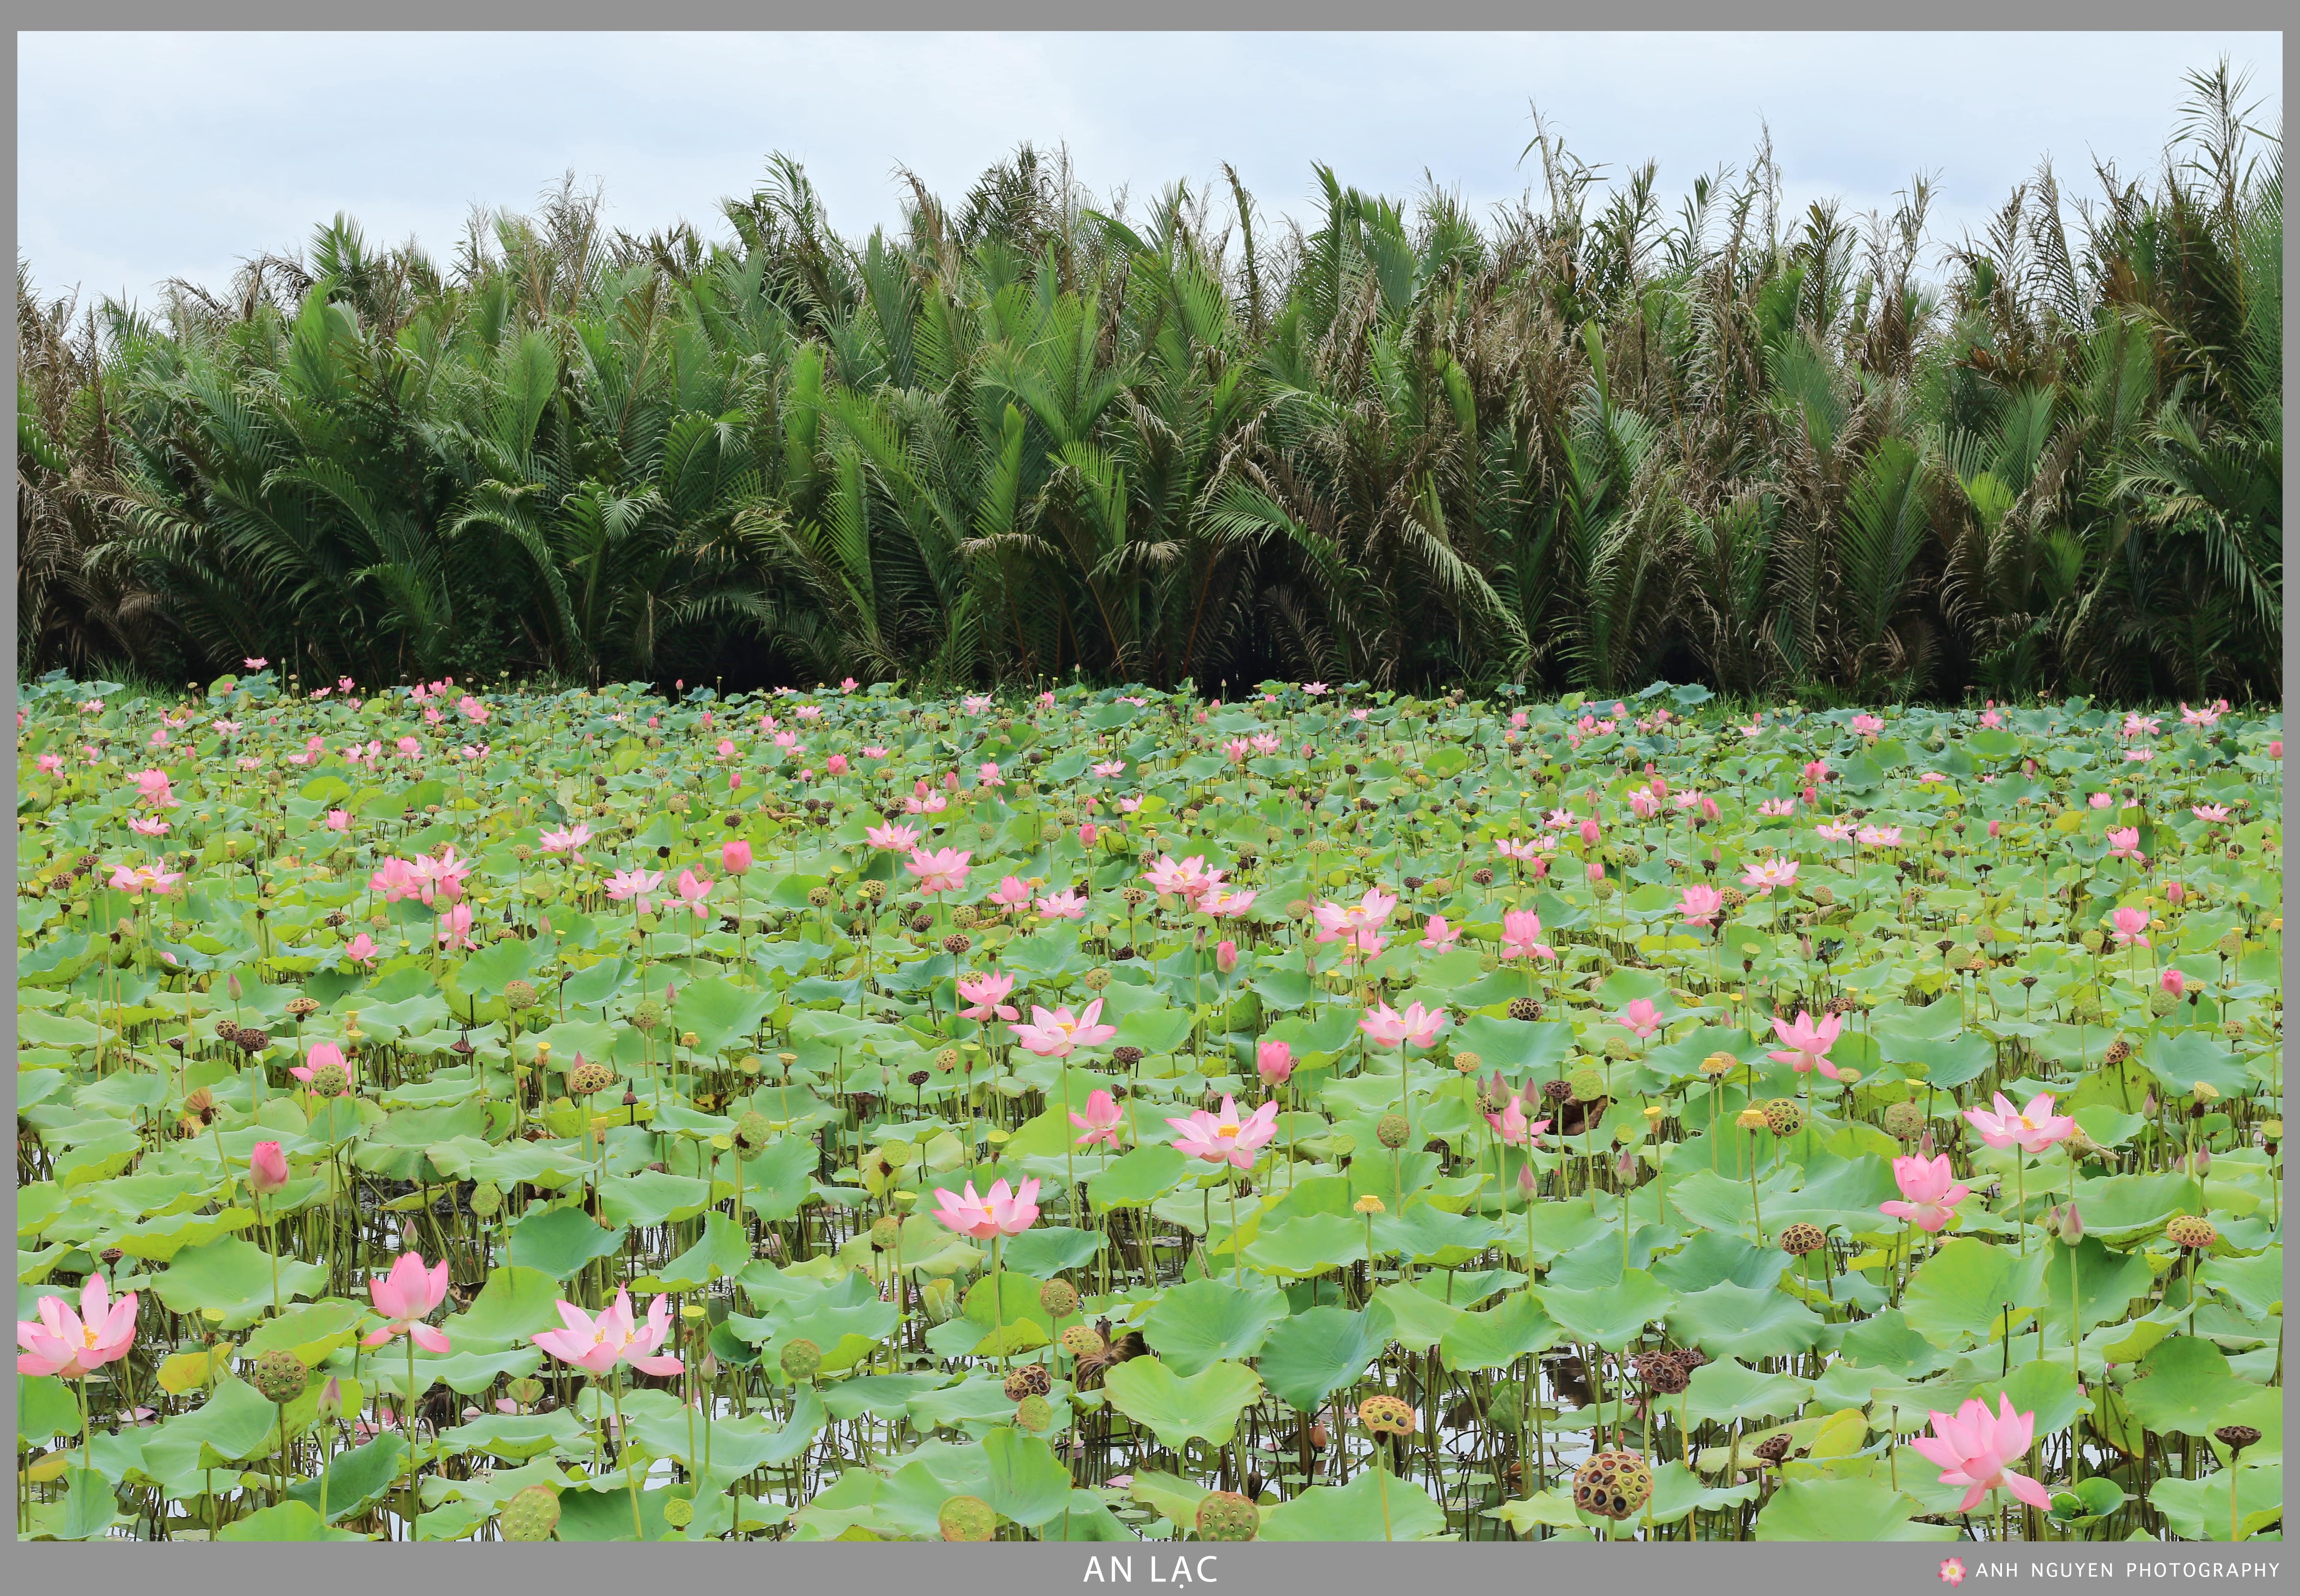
column 1521, row 936
column 1834, row 831
column 2032, row 1129
column 986, row 996
column 564, row 839
column 942, row 870
column 2127, row 924
column 1102, row 1121
column 1189, row 880
column 2210, row 814
column 1437, row 936
column 1391, row 1029
column 1768, row 873
column 895, row 837
column 1929, row 1191
column 455, row 930
column 1069, row 904
column 1001, row 1212
column 1057, row 1034
column 597, row 1345
column 1226, row 906
column 1974, row 1446
column 1511, row 1125
column 1371, row 912
column 1880, row 836
column 1523, row 850
column 1640, row 1018
column 2124, row 843
column 1805, row 1044
column 693, row 889
column 1700, row 906
column 317, row 1056
column 405, row 1296
column 634, row 886
column 1224, row 1138
column 1013, row 892
column 59, row 1341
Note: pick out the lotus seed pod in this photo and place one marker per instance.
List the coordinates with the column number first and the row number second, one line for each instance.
column 1468, row 1062
column 520, row 996
column 1228, row 1516
column 2231, row 945
column 2191, row 1230
column 1081, row 1341
column 1031, row 1380
column 1095, row 979
column 1773, row 1450
column 752, row 1131
column 1619, row 1047
column 646, row 1015
column 1386, row 1416
column 819, row 897
column 486, row 1199
column 531, row 1513
column 1392, row 1129
column 1613, row 1484
column 966, row 1518
column 589, row 1076
column 801, row 1359
column 1058, row 1297
column 1523, row 1008
column 281, row 1375
column 330, row 1080
column 885, row 1231
column 1784, row 1116
column 2236, row 1437
column 2162, row 1003
column 1034, row 1413
column 1800, row 1239
column 2092, row 940
column 1662, row 1371
column 679, row 1511
column 1905, row 1120
column 1587, row 1084
column 900, row 1155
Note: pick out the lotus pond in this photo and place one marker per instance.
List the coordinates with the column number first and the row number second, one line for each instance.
column 1099, row 1115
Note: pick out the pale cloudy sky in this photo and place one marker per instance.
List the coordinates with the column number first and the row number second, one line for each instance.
column 147, row 156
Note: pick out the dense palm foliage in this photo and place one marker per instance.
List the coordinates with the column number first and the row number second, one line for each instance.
column 1580, row 442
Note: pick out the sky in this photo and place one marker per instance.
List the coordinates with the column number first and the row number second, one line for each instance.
column 147, row 156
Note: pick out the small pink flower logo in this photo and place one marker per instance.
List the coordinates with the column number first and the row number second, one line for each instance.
column 1952, row 1571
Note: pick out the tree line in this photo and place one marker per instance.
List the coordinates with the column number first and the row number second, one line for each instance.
column 1583, row 441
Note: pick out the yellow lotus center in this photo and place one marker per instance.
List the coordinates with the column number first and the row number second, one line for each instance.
column 1228, row 1130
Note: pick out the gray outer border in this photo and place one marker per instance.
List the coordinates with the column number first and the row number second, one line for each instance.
column 1337, row 1570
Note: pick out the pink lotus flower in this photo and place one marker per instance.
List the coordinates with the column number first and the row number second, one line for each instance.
column 1102, row 1120
column 405, row 1296
column 152, row 786
column 1511, row 1125
column 1511, row 847
column 1769, row 874
column 455, row 928
column 1931, row 1189
column 321, row 1054
column 2173, row 981
column 1777, row 807
column 1868, row 725
column 60, row 1341
column 1065, row 905
column 267, row 1168
column 1641, row 1017
column 361, row 949
column 2124, row 843
column 1438, row 936
column 1273, row 1062
column 1189, row 880
column 1806, row 1045
column 2126, row 924
column 987, row 996
column 1521, row 936
column 565, row 839
column 942, row 870
column 1107, row 768
column 692, row 890
column 1974, row 1446
column 1699, row 906
column 2032, row 1129
column 339, row 819
column 1226, row 956
column 1011, row 893
column 50, row 763
column 149, row 828
column 1224, row 1138
column 1001, row 1212
column 1880, row 836
column 1391, row 1029
column 598, row 1345
column 1058, row 1034
column 895, row 837
column 2211, row 813
column 1369, row 913
column 836, row 765
column 637, row 887
column 1835, row 831
column 2098, row 801
column 1226, row 906
column 735, row 858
